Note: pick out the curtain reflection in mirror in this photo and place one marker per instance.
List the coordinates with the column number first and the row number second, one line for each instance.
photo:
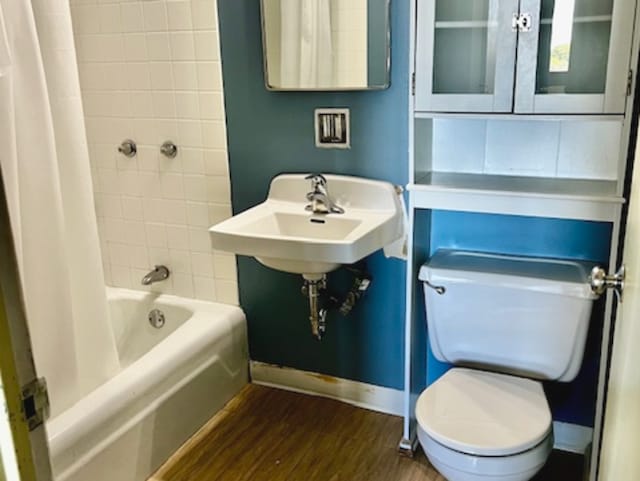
column 306, row 44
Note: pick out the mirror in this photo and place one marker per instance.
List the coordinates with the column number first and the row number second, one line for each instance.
column 326, row 44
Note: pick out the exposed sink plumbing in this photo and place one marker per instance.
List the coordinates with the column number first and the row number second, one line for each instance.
column 321, row 302
column 313, row 289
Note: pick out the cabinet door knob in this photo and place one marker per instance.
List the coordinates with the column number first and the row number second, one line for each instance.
column 521, row 22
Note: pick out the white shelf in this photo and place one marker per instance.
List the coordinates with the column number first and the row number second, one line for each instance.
column 512, row 116
column 585, row 19
column 529, row 196
column 465, row 24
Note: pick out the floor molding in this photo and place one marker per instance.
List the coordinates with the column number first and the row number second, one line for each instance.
column 567, row 437
column 571, row 437
column 369, row 396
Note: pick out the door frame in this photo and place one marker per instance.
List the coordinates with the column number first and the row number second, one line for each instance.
column 17, row 368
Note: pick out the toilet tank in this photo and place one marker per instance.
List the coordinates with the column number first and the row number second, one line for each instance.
column 520, row 315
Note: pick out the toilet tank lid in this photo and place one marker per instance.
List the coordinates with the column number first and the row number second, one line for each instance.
column 569, row 277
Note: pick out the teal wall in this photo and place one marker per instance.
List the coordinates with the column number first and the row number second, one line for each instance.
column 272, row 132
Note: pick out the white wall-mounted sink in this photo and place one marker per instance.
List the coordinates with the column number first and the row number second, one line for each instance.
column 282, row 235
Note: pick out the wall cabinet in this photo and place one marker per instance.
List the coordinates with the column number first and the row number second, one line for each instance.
column 523, row 56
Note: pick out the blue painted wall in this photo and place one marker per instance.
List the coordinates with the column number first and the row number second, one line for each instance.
column 570, row 402
column 272, row 132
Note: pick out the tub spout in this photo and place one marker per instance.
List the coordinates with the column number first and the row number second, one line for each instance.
column 159, row 273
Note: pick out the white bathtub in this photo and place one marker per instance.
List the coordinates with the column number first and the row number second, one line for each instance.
column 172, row 380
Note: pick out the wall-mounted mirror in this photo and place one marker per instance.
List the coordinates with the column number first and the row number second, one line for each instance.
column 326, row 44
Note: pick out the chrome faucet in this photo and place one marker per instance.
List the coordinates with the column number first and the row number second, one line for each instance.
column 159, row 273
column 321, row 202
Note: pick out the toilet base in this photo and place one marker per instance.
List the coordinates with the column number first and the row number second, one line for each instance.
column 457, row 466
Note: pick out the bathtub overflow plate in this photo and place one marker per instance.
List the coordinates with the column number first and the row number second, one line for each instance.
column 156, row 318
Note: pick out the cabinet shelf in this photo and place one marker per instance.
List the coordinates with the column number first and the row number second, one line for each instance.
column 585, row 19
column 465, row 24
column 596, row 200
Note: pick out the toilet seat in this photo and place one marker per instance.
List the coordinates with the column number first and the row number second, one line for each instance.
column 457, row 466
column 484, row 414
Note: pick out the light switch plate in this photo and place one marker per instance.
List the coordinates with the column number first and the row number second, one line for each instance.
column 332, row 129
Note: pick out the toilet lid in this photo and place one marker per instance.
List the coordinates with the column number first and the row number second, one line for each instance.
column 483, row 413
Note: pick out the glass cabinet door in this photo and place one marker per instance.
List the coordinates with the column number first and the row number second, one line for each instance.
column 465, row 55
column 575, row 58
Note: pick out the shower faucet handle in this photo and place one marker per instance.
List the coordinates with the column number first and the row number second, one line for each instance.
column 169, row 149
column 128, row 148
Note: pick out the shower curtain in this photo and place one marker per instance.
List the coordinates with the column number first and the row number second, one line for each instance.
column 45, row 165
column 306, row 44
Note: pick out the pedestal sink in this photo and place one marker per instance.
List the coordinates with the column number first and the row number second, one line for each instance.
column 280, row 233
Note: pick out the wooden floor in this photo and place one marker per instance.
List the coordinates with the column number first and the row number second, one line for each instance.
column 267, row 434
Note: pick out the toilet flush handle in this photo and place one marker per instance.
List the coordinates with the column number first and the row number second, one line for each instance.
column 439, row 289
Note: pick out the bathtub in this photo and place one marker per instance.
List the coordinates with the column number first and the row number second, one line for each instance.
column 172, row 380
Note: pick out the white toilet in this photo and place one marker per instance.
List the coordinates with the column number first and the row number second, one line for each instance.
column 511, row 322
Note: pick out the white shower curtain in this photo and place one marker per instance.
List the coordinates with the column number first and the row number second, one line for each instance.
column 306, row 44
column 45, row 166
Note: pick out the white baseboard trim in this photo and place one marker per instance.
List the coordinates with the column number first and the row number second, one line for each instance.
column 568, row 437
column 369, row 396
column 571, row 437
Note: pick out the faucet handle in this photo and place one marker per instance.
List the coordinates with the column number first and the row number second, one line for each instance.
column 316, row 180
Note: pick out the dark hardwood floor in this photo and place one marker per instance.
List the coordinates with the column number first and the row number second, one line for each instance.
column 267, row 434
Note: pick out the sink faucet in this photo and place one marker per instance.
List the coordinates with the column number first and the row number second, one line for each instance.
column 321, row 203
column 159, row 273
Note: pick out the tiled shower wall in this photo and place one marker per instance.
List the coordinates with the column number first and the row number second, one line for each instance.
column 150, row 71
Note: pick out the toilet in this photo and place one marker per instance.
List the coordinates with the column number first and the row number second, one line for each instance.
column 506, row 323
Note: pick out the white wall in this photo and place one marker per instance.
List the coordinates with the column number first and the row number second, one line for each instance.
column 150, row 70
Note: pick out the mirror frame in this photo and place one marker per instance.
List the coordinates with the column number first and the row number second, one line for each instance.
column 265, row 65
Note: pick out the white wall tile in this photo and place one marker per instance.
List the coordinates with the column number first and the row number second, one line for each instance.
column 161, row 75
column 205, row 288
column 197, row 214
column 109, row 15
column 185, row 75
column 199, row 240
column 150, row 71
column 155, row 16
column 195, row 189
column 180, row 260
column 131, row 16
column 175, row 212
column 179, row 15
column 158, row 46
column 156, row 235
column 204, row 14
column 206, row 44
column 183, row 285
column 164, row 104
column 177, row 237
column 227, row 292
column 188, row 105
column 182, row 46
